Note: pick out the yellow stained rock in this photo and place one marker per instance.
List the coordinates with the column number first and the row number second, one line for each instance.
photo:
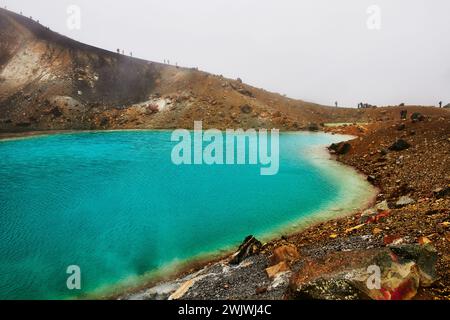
column 424, row 240
column 447, row 236
column 184, row 288
column 377, row 231
column 354, row 228
column 333, row 236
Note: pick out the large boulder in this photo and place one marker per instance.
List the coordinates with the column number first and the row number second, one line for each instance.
column 340, row 148
column 313, row 127
column 56, row 112
column 424, row 256
column 390, row 273
column 441, row 192
column 251, row 246
column 417, row 116
column 281, row 260
column 246, row 92
column 399, row 145
column 246, row 109
column 284, row 253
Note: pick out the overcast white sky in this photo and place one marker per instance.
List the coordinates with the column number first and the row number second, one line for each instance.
column 316, row 50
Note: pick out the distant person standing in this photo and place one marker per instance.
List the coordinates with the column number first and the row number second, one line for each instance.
column 403, row 114
column 336, row 104
column 440, row 104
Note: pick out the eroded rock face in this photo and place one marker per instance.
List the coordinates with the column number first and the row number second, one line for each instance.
column 392, row 273
column 248, row 248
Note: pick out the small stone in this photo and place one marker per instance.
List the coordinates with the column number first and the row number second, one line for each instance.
column 424, row 240
column 372, row 179
column 367, row 214
column 261, row 290
column 447, row 236
column 354, row 228
column 404, row 201
column 246, row 109
column 376, row 231
column 382, row 206
column 391, row 239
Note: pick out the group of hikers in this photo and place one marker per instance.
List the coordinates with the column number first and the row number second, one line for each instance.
column 365, row 106
column 123, row 52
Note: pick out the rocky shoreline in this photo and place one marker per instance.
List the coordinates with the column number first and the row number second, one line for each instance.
column 406, row 234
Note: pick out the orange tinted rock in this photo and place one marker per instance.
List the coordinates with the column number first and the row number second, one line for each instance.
column 354, row 228
column 376, row 231
column 285, row 253
column 389, row 239
column 276, row 269
column 350, row 275
column 424, row 240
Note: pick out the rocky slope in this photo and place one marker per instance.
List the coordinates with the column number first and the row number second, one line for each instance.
column 50, row 82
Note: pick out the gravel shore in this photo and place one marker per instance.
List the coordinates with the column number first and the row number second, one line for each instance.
column 413, row 186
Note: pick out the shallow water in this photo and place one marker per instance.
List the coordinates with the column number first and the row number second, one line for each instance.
column 115, row 205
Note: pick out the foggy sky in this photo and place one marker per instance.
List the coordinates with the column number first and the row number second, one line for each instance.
column 315, row 50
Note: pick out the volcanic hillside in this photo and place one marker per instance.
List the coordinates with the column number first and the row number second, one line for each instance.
column 51, row 82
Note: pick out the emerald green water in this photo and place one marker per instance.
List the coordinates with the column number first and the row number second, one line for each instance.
column 115, row 205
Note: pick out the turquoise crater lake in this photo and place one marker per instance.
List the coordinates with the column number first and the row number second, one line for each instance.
column 115, row 205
